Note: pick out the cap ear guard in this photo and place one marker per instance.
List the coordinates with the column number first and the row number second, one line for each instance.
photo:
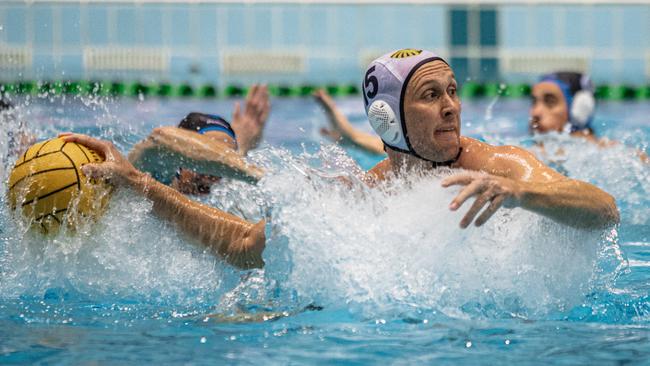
column 582, row 108
column 383, row 120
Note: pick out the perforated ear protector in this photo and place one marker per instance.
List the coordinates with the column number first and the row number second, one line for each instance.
column 383, row 120
column 578, row 92
column 582, row 108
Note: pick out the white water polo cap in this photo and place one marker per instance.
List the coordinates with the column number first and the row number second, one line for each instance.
column 384, row 87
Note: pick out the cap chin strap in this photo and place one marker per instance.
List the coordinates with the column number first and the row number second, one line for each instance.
column 434, row 164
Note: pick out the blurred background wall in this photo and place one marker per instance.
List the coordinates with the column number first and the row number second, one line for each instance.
column 221, row 42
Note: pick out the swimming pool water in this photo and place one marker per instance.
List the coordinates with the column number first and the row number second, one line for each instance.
column 353, row 276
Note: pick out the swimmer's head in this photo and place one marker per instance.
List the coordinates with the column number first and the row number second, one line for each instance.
column 411, row 102
column 560, row 98
column 212, row 126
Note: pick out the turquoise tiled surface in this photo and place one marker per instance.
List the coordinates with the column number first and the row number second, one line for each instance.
column 43, row 26
column 331, row 35
column 44, row 66
column 179, row 26
column 128, row 29
column 344, row 34
column 235, row 20
column 458, row 28
column 260, row 31
column 72, row 65
column 70, row 25
column 207, row 26
column 316, row 35
column 636, row 26
column 545, row 23
column 95, row 29
column 432, row 25
column 489, row 34
column 513, row 25
column 151, row 28
column 15, row 25
column 632, row 69
column 604, row 21
column 575, row 24
column 602, row 70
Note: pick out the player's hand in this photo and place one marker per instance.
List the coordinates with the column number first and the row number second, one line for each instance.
column 249, row 123
column 488, row 189
column 115, row 168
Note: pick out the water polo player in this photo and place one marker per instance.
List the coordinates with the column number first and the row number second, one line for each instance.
column 207, row 144
column 563, row 101
column 411, row 101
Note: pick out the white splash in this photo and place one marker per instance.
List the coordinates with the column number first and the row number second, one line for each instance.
column 400, row 248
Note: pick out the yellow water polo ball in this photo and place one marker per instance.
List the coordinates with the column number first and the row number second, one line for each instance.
column 47, row 184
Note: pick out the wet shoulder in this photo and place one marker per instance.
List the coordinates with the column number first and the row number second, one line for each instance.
column 506, row 160
column 379, row 172
column 475, row 154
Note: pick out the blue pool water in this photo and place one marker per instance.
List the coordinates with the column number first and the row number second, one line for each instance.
column 353, row 276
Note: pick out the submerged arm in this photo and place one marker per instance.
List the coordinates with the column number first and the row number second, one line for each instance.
column 240, row 242
column 342, row 125
column 168, row 148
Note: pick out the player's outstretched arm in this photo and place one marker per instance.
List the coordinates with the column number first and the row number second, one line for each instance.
column 238, row 241
column 168, row 148
column 249, row 123
column 514, row 176
column 343, row 128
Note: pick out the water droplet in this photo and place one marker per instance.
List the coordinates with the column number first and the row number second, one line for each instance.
column 203, row 339
column 468, row 344
column 507, row 341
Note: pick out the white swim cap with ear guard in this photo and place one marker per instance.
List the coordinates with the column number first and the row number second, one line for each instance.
column 384, row 87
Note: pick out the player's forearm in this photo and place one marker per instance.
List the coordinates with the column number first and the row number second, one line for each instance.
column 371, row 143
column 167, row 155
column 238, row 241
column 571, row 202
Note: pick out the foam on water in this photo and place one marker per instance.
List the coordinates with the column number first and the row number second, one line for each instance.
column 400, row 249
column 617, row 169
column 129, row 253
column 388, row 252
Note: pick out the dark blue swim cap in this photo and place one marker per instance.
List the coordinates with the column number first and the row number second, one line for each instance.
column 202, row 123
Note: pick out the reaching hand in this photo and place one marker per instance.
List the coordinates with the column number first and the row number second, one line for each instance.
column 116, row 168
column 325, row 100
column 333, row 135
column 249, row 124
column 487, row 189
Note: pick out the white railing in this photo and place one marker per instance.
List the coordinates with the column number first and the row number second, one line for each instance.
column 15, row 58
column 251, row 61
column 126, row 59
column 536, row 62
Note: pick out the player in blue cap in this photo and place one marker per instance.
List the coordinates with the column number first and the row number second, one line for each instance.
column 205, row 143
column 411, row 102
